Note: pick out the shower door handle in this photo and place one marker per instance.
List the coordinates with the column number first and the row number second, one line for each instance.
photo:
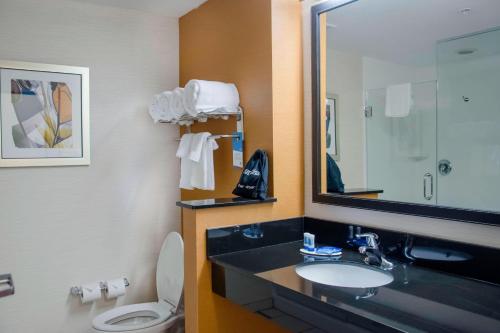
column 428, row 179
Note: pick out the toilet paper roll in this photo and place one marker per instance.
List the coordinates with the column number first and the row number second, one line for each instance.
column 90, row 292
column 115, row 288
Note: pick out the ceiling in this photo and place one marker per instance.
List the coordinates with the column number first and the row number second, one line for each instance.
column 170, row 8
column 407, row 31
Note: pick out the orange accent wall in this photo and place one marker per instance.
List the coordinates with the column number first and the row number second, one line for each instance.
column 206, row 312
column 288, row 105
column 230, row 41
column 257, row 44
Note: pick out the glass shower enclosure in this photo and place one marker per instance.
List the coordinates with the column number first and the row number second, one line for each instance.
column 446, row 151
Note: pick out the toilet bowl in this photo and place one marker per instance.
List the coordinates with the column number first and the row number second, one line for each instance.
column 154, row 317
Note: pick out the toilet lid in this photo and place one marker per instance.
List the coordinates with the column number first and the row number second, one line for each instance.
column 170, row 269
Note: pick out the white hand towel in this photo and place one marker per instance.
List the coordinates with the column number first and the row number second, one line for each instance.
column 197, row 161
column 209, row 96
column 186, row 163
column 197, row 146
column 176, row 103
column 207, row 161
column 201, row 154
column 398, row 101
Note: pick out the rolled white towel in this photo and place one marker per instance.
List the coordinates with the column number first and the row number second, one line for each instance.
column 160, row 107
column 164, row 102
column 209, row 96
column 154, row 109
column 176, row 103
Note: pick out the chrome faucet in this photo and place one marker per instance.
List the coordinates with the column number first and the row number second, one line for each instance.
column 372, row 249
column 408, row 247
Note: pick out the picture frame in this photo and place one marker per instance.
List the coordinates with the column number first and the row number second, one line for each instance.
column 332, row 128
column 44, row 115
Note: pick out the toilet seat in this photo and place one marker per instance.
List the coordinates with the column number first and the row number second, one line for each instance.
column 135, row 317
column 152, row 317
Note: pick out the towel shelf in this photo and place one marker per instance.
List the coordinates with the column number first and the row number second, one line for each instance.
column 238, row 135
column 202, row 116
column 221, row 136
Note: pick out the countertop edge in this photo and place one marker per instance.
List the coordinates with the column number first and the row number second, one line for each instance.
column 198, row 204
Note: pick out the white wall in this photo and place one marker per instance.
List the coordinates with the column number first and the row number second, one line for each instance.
column 344, row 78
column 380, row 74
column 349, row 76
column 469, row 132
column 463, row 232
column 61, row 226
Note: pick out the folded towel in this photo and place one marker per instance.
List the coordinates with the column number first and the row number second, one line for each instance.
column 176, row 104
column 197, row 162
column 201, row 154
column 398, row 101
column 209, row 96
column 186, row 163
column 197, row 145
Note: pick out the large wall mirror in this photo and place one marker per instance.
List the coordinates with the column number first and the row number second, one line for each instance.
column 406, row 106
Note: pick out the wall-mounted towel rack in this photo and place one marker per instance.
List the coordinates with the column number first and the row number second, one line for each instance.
column 211, row 115
column 238, row 137
column 221, row 136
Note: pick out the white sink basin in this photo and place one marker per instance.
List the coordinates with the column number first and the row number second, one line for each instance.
column 343, row 274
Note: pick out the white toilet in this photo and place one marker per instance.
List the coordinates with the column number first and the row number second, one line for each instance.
column 158, row 316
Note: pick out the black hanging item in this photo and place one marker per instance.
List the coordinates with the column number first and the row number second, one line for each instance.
column 253, row 179
column 334, row 182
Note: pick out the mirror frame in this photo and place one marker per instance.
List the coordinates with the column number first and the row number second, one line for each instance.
column 439, row 212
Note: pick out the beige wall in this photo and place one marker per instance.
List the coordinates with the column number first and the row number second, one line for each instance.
column 464, row 232
column 61, row 226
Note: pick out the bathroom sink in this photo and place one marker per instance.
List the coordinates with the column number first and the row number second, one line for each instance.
column 344, row 274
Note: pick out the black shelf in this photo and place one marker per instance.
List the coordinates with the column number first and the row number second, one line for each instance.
column 222, row 202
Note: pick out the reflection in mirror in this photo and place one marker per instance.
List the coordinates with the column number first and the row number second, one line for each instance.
column 332, row 148
column 410, row 102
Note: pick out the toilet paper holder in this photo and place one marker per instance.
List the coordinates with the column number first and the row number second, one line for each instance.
column 77, row 291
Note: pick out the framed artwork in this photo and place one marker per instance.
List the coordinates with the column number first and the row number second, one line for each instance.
column 44, row 115
column 332, row 132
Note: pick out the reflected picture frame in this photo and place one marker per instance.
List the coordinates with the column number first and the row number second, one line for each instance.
column 44, row 115
column 332, row 126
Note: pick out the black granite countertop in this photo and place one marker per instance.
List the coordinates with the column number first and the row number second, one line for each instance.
column 221, row 202
column 418, row 300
